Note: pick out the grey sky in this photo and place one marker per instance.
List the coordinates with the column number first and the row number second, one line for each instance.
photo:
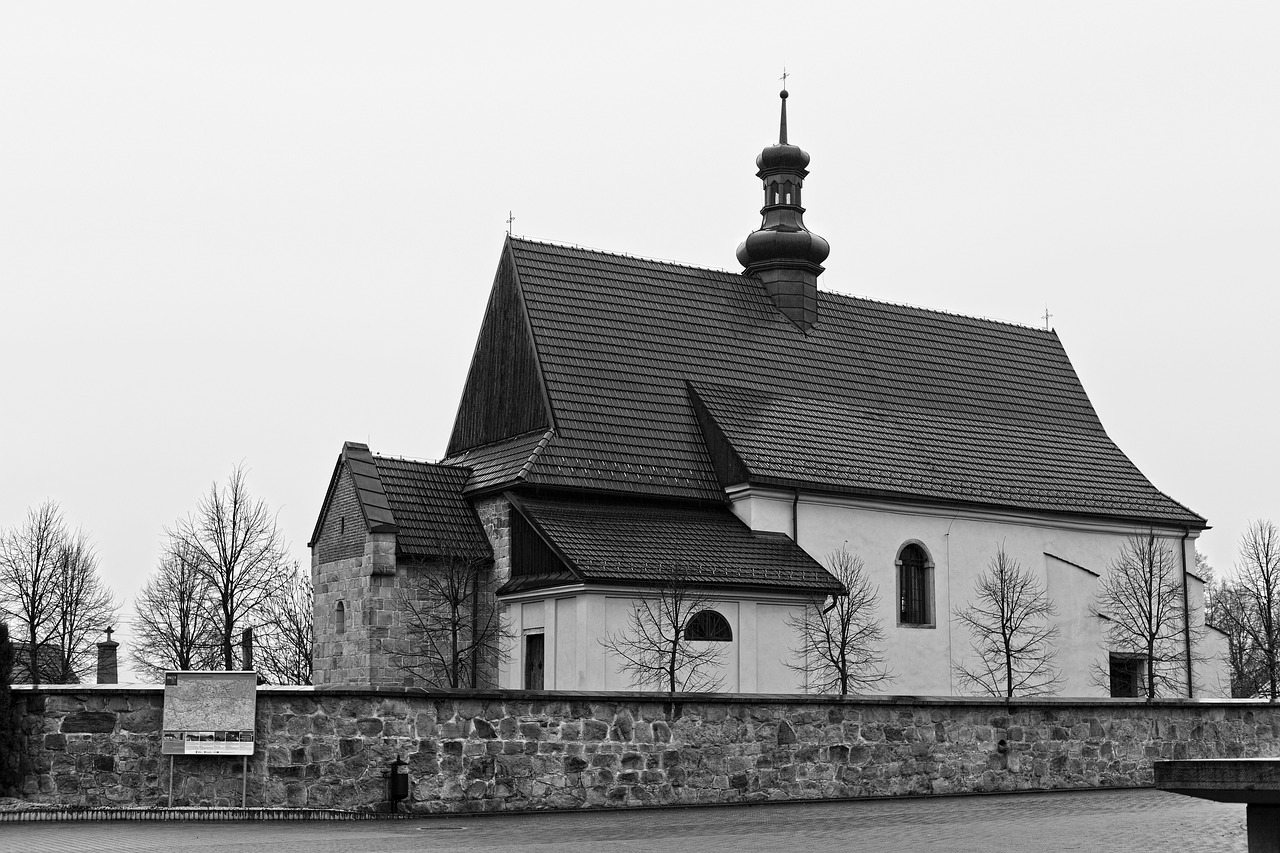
column 251, row 231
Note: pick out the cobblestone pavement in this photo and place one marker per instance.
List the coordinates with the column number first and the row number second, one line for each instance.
column 1112, row 821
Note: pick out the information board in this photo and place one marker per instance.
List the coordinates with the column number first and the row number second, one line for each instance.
column 209, row 713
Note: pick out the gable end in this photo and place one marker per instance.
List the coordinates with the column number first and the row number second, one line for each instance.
column 504, row 394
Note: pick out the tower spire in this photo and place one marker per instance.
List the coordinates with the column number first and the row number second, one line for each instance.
column 782, row 125
column 782, row 253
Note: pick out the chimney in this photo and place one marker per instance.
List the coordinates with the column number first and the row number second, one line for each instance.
column 246, row 650
column 108, row 671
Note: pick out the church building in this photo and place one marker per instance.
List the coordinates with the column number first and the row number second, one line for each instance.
column 627, row 423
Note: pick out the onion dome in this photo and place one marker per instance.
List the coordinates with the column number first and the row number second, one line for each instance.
column 783, row 254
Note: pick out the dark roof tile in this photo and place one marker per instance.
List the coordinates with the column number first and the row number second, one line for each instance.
column 641, row 543
column 432, row 516
column 876, row 396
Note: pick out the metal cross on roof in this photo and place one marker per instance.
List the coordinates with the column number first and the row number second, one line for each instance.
column 109, row 632
column 511, row 217
column 784, row 76
column 1047, row 315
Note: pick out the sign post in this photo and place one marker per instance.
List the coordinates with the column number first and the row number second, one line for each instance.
column 210, row 713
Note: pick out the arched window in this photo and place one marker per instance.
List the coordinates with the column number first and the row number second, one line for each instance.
column 915, row 586
column 341, row 618
column 709, row 626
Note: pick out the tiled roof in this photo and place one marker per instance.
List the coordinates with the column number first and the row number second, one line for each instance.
column 877, row 396
column 501, row 462
column 793, row 440
column 431, row 516
column 634, row 542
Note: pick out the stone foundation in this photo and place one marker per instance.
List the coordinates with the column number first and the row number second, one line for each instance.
column 505, row 750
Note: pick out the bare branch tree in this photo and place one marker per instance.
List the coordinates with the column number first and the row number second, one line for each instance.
column 454, row 627
column 841, row 643
column 28, row 583
column 653, row 648
column 1140, row 598
column 1009, row 633
column 1229, row 610
column 1251, row 607
column 241, row 554
column 173, row 628
column 83, row 608
column 286, row 638
column 51, row 590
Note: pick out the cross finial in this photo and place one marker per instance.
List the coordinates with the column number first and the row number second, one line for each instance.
column 110, row 630
column 511, row 217
column 1047, row 315
column 784, row 76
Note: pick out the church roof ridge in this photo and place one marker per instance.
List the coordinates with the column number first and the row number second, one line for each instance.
column 844, row 294
column 625, row 255
column 419, row 460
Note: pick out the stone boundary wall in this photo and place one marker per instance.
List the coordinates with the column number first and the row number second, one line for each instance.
column 471, row 751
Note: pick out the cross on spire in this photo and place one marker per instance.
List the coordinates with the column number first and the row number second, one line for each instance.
column 1047, row 315
column 784, row 76
column 511, row 217
column 110, row 631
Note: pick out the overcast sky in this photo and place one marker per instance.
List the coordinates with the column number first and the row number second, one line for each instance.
column 247, row 232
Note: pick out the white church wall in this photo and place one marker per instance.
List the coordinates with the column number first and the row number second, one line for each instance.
column 776, row 642
column 1068, row 557
column 754, row 661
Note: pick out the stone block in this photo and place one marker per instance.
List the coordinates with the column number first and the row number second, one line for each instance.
column 89, row 722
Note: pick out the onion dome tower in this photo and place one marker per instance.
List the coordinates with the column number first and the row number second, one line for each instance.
column 783, row 254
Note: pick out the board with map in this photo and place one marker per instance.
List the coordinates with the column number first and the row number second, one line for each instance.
column 209, row 713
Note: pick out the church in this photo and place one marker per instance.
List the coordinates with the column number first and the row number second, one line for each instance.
column 628, row 422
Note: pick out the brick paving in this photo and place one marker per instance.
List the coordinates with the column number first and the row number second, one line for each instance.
column 1124, row 821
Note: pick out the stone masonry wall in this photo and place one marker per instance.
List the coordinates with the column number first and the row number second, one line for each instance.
column 497, row 751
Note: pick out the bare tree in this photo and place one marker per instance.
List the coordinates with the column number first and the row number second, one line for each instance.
column 285, row 638
column 1140, row 598
column 241, row 554
column 1228, row 610
column 454, row 628
column 29, row 557
column 1009, row 633
column 173, row 628
column 1251, row 608
column 51, row 590
column 83, row 608
column 653, row 647
column 841, row 643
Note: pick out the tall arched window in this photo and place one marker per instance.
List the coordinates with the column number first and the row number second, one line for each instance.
column 915, row 586
column 709, row 626
column 341, row 627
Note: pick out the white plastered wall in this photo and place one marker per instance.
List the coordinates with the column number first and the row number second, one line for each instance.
column 575, row 620
column 1067, row 556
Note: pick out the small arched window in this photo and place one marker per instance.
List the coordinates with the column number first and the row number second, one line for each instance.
column 915, row 586
column 341, row 618
column 709, row 626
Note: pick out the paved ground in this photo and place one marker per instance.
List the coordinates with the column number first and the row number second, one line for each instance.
column 1094, row 821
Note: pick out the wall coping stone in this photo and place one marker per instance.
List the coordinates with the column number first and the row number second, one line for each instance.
column 639, row 696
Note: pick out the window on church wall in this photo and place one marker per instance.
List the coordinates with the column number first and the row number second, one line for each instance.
column 708, row 626
column 1128, row 675
column 915, row 586
column 340, row 618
